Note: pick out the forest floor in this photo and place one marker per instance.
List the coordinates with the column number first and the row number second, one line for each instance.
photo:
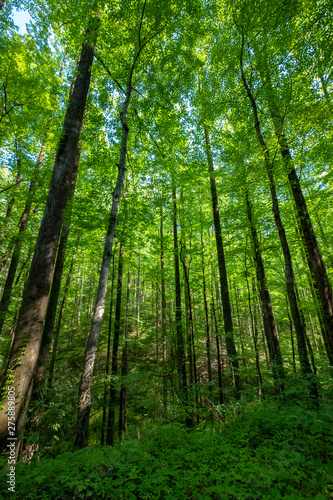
column 262, row 451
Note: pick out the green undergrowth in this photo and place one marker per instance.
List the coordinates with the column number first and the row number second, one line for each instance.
column 265, row 451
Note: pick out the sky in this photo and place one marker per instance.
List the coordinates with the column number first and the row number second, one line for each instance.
column 20, row 19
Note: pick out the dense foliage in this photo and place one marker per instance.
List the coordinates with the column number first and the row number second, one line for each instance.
column 166, row 248
column 266, row 452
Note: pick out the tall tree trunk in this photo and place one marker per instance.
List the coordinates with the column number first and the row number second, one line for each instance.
column 107, row 365
column 227, row 316
column 316, row 301
column 188, row 326
column 218, row 353
column 314, row 257
column 124, row 363
column 208, row 346
column 218, row 316
column 180, row 349
column 29, row 329
column 25, row 265
column 289, row 273
column 57, row 330
column 189, row 315
column 32, row 426
column 157, row 322
column 308, row 343
column 82, row 426
column 265, row 298
column 254, row 328
column 165, row 380
column 138, row 300
column 114, row 362
column 292, row 339
column 188, row 301
column 51, row 310
column 240, row 328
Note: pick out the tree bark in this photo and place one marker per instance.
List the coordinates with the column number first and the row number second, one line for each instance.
column 265, row 298
column 124, row 363
column 227, row 316
column 32, row 425
column 165, row 380
column 218, row 353
column 114, row 363
column 138, row 300
column 180, row 349
column 208, row 343
column 254, row 329
column 57, row 331
column 51, row 311
column 107, row 365
column 193, row 361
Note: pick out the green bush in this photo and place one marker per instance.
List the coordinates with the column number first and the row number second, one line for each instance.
column 266, row 452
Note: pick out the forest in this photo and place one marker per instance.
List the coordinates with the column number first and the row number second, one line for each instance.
column 166, row 250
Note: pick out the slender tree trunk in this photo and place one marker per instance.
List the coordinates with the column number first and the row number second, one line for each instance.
column 114, row 363
column 240, row 328
column 188, row 328
column 314, row 257
column 218, row 316
column 134, row 297
column 208, row 346
column 227, row 316
column 188, row 302
column 289, row 273
column 25, row 265
column 57, row 331
column 265, row 298
column 84, row 404
column 165, row 380
column 218, row 353
column 157, row 322
column 324, row 241
column 51, row 313
column 29, row 330
column 138, row 300
column 308, row 343
column 32, row 425
column 254, row 329
column 107, row 365
column 180, row 349
column 314, row 295
column 124, row 363
column 56, row 282
column 189, row 315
